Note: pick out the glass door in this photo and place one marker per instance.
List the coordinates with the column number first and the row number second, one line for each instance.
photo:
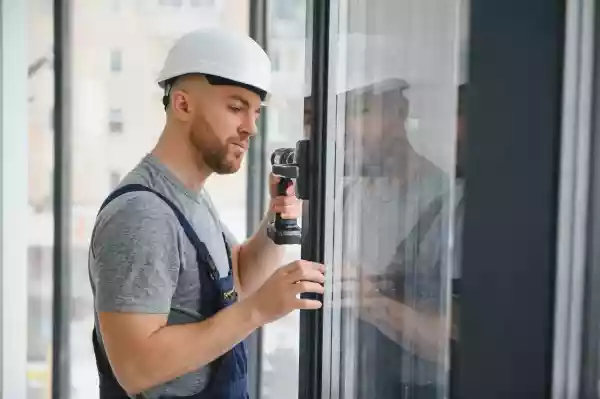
column 436, row 287
column 396, row 73
column 383, row 125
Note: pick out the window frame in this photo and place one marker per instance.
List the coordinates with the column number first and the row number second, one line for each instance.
column 62, row 201
column 313, row 350
column 255, row 192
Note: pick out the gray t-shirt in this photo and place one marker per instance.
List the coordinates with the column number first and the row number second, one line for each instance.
column 142, row 262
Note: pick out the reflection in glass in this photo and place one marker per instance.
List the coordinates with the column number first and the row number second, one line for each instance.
column 117, row 118
column 399, row 257
column 396, row 98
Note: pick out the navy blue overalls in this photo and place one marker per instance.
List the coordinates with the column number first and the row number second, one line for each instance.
column 228, row 373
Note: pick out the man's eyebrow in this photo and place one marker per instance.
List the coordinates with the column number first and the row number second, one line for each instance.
column 242, row 100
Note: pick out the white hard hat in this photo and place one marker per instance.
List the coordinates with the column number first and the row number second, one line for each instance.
column 220, row 53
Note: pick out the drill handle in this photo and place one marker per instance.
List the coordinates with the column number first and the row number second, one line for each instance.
column 283, row 185
column 282, row 188
column 284, row 231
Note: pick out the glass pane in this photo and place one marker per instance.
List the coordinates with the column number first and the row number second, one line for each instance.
column 117, row 118
column 40, row 75
column 396, row 77
column 286, row 47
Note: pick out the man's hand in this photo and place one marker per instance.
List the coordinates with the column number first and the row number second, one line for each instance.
column 255, row 260
column 279, row 295
column 289, row 206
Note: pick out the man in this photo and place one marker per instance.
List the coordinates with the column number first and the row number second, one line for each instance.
column 175, row 295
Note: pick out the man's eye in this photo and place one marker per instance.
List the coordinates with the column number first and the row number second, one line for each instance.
column 235, row 108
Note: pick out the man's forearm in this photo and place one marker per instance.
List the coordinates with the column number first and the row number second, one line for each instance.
column 173, row 351
column 258, row 258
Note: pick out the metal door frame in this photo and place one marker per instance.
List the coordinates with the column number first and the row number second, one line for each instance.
column 313, row 226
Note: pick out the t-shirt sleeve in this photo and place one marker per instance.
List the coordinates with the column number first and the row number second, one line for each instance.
column 229, row 236
column 135, row 258
column 231, row 239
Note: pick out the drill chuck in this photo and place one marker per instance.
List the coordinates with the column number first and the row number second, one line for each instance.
column 283, row 156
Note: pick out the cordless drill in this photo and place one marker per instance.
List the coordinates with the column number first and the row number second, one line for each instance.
column 284, row 231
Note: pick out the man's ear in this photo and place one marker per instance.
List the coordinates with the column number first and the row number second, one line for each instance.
column 180, row 104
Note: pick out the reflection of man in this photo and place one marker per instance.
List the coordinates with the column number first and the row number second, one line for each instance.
column 399, row 203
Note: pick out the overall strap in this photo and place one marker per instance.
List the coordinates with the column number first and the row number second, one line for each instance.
column 185, row 224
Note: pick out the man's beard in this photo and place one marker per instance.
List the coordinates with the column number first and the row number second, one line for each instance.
column 213, row 153
column 217, row 160
column 216, row 156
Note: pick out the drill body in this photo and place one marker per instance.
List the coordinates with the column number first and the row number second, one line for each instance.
column 284, row 231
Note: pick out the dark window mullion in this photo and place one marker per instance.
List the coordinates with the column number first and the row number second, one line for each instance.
column 311, row 322
column 62, row 201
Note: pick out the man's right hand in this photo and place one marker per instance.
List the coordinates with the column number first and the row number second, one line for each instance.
column 279, row 295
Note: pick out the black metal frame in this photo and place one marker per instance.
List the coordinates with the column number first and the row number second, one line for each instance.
column 311, row 322
column 590, row 364
column 61, row 201
column 509, row 243
column 255, row 191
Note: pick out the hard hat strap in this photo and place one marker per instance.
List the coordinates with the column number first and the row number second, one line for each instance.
column 167, row 94
column 213, row 80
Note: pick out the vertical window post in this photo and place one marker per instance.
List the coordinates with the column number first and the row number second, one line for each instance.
column 313, row 239
column 256, row 184
column 62, row 201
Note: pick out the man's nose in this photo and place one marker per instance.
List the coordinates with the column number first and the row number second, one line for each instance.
column 249, row 128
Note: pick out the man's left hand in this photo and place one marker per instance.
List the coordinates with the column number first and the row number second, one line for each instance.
column 289, row 206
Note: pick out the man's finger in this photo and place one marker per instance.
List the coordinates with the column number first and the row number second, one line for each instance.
column 316, row 276
column 281, row 200
column 308, row 304
column 274, row 178
column 291, row 190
